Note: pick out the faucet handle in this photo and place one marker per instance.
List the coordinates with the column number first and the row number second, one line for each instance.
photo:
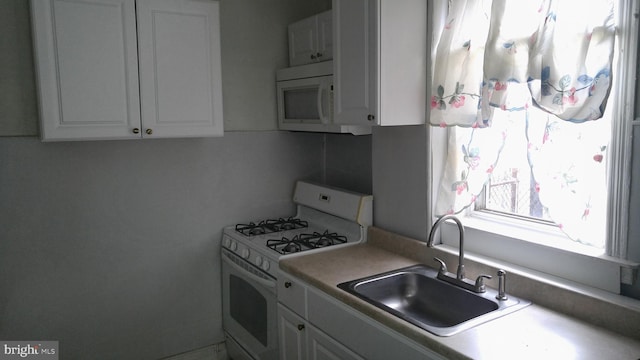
column 443, row 266
column 480, row 287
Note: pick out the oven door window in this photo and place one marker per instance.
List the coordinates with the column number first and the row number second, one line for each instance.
column 249, row 308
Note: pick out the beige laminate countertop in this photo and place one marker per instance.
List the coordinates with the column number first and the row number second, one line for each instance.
column 534, row 332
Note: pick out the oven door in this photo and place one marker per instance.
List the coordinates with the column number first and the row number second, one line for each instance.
column 249, row 308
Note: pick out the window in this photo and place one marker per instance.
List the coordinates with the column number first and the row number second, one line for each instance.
column 513, row 189
column 507, row 204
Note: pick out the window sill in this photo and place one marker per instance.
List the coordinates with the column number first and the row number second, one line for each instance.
column 541, row 288
column 537, row 233
column 542, row 249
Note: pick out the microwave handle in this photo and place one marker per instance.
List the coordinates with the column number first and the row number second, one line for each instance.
column 321, row 89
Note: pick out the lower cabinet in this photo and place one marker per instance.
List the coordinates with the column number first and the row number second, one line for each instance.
column 314, row 325
column 291, row 334
column 301, row 340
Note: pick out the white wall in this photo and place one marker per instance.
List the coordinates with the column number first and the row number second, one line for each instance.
column 348, row 162
column 18, row 108
column 111, row 247
column 400, row 180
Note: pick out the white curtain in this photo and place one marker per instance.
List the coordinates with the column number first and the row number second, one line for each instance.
column 500, row 63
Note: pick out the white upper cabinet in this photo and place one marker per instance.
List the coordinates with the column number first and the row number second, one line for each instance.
column 311, row 39
column 380, row 62
column 121, row 69
column 180, row 77
column 87, row 68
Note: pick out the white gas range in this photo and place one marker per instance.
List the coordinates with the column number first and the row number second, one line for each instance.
column 326, row 218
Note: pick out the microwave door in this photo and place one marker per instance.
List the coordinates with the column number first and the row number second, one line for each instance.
column 300, row 101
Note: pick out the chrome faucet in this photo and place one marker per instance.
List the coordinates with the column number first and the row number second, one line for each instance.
column 457, row 279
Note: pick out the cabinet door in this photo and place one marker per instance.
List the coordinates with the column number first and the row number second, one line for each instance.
column 87, row 68
column 323, row 347
column 292, row 331
column 311, row 39
column 355, row 61
column 180, row 78
column 360, row 333
column 303, row 42
column 325, row 35
column 403, row 62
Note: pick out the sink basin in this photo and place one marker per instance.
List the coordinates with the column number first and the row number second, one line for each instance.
column 414, row 294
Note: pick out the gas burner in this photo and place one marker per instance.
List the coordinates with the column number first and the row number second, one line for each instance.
column 286, row 246
column 287, row 224
column 318, row 240
column 270, row 226
column 291, row 248
column 252, row 229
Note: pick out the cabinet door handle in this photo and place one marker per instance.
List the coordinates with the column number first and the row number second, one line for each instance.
column 148, row 131
column 319, row 55
column 300, row 327
column 313, row 56
column 370, row 117
column 136, row 131
column 287, row 284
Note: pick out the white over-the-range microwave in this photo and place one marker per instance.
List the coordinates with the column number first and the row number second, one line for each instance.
column 305, row 100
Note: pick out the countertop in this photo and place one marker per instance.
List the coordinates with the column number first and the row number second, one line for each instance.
column 535, row 332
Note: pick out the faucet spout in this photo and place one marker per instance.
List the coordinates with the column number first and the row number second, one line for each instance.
column 457, row 279
column 436, row 225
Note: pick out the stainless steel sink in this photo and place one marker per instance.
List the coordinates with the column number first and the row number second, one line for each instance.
column 417, row 296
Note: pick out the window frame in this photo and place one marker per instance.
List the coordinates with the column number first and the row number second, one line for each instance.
column 533, row 246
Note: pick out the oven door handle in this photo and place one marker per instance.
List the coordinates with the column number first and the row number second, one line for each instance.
column 259, row 280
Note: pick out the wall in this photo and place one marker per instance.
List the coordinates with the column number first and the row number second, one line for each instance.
column 111, row 247
column 348, row 162
column 400, row 182
column 18, row 109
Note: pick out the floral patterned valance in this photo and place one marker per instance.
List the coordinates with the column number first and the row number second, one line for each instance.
column 552, row 54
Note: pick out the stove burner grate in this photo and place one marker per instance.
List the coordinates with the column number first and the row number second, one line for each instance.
column 303, row 242
column 318, row 240
column 286, row 245
column 271, row 226
column 287, row 224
